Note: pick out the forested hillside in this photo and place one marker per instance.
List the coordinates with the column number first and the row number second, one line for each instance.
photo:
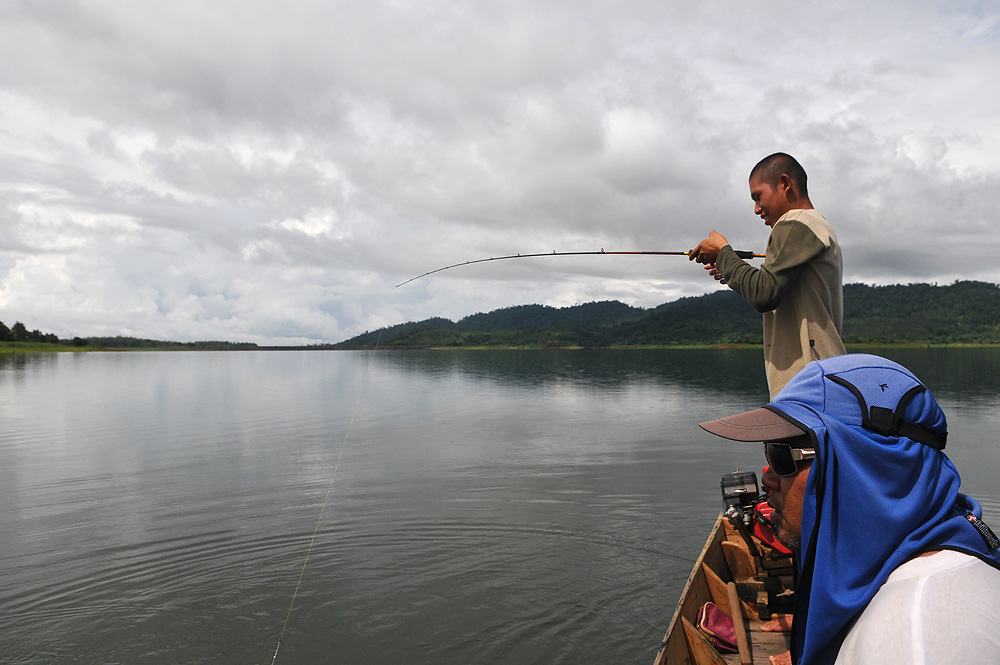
column 960, row 313
column 963, row 312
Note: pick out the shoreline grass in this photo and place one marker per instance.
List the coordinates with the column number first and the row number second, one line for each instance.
column 37, row 347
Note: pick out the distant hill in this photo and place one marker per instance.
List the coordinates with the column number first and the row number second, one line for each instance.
column 963, row 312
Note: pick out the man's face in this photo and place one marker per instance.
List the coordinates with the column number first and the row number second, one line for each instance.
column 770, row 201
column 786, row 497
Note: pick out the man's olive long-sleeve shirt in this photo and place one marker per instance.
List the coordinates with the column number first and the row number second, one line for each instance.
column 799, row 289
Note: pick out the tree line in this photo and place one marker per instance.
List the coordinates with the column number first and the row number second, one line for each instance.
column 962, row 312
column 20, row 333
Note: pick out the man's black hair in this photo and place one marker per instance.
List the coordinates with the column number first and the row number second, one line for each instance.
column 771, row 167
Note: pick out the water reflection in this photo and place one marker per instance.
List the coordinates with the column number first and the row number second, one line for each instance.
column 489, row 506
column 697, row 369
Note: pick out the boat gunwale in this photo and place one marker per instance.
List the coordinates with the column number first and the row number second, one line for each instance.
column 697, row 577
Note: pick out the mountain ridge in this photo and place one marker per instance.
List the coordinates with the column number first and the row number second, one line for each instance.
column 962, row 312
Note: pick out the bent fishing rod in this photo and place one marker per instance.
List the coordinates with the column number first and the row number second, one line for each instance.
column 742, row 253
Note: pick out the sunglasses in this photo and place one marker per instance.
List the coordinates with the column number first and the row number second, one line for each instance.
column 782, row 457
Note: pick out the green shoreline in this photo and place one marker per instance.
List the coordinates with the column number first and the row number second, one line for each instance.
column 850, row 347
column 962, row 315
column 14, row 348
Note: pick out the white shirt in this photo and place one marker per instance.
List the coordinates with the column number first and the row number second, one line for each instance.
column 939, row 609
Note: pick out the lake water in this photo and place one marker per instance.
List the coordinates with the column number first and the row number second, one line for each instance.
column 480, row 506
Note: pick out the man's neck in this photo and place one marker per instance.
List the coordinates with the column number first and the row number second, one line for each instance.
column 801, row 203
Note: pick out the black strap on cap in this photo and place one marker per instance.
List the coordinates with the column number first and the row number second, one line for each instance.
column 887, row 422
column 882, row 421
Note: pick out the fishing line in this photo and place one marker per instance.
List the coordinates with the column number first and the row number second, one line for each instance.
column 742, row 253
column 326, row 500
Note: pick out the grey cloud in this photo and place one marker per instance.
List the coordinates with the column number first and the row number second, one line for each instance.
column 269, row 172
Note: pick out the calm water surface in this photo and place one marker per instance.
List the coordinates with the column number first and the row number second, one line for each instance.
column 484, row 507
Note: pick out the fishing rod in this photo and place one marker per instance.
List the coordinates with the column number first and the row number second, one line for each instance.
column 742, row 253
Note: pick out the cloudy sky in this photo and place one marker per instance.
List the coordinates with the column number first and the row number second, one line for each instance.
column 270, row 171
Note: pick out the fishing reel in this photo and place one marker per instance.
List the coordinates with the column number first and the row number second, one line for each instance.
column 745, row 506
column 740, row 496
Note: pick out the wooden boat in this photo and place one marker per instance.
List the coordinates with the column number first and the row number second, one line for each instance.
column 727, row 574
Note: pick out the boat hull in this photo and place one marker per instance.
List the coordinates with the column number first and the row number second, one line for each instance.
column 728, row 575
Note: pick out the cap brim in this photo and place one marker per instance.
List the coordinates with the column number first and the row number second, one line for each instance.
column 761, row 424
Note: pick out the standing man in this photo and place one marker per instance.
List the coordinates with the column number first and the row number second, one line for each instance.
column 895, row 566
column 799, row 287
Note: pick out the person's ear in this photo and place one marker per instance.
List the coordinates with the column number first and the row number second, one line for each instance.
column 787, row 187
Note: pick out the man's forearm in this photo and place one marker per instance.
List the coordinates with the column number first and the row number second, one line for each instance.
column 759, row 287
